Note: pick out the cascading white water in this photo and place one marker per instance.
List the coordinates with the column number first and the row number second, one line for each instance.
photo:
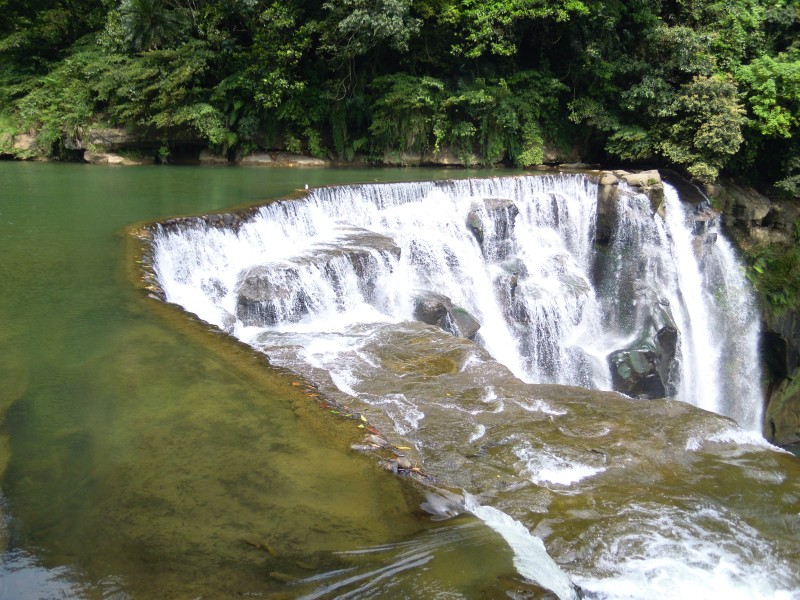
column 332, row 286
column 516, row 253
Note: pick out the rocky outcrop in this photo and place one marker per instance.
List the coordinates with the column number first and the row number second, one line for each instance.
column 647, row 367
column 609, row 192
column 270, row 294
column 115, row 138
column 782, row 416
column 757, row 221
column 24, row 142
column 403, row 159
column 446, row 157
column 492, row 223
column 207, row 157
column 257, row 159
column 281, row 159
column 438, row 309
column 108, row 158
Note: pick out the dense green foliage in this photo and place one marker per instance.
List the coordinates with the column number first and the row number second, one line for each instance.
column 705, row 86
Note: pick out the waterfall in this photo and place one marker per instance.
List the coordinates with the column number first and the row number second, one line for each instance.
column 513, row 263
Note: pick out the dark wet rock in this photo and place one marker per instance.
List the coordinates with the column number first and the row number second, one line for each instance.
column 460, row 323
column 781, row 343
column 269, row 294
column 783, row 216
column 747, row 206
column 782, row 416
column 475, row 225
column 609, row 193
column 389, row 465
column 703, row 218
column 438, row 309
column 430, row 307
column 648, row 366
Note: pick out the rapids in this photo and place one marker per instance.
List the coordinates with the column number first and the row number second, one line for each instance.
column 633, row 498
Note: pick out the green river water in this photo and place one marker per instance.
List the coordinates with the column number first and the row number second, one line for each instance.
column 140, row 455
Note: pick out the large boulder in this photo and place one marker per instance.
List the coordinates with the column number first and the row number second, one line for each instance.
column 646, row 182
column 446, row 157
column 752, row 213
column 609, row 192
column 648, row 366
column 257, row 159
column 437, row 309
column 289, row 159
column 430, row 307
column 270, row 294
column 109, row 158
column 113, row 138
column 461, row 323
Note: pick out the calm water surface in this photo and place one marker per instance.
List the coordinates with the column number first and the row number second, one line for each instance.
column 142, row 456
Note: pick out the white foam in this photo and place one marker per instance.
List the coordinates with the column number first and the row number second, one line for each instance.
column 541, row 406
column 530, row 556
column 480, row 431
column 701, row 554
column 544, row 467
column 405, row 415
column 732, row 435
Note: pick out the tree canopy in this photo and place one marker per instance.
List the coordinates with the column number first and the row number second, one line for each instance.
column 704, row 86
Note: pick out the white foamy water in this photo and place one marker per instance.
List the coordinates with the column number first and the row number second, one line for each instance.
column 530, row 556
column 704, row 554
column 516, row 253
column 320, row 284
column 544, row 467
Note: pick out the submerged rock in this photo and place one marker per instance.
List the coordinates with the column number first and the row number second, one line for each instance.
column 442, row 505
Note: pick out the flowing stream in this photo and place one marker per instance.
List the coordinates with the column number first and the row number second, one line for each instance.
column 482, row 322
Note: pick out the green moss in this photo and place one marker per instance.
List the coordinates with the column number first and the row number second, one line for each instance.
column 775, row 274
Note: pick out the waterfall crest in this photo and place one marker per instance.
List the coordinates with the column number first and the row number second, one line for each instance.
column 661, row 308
